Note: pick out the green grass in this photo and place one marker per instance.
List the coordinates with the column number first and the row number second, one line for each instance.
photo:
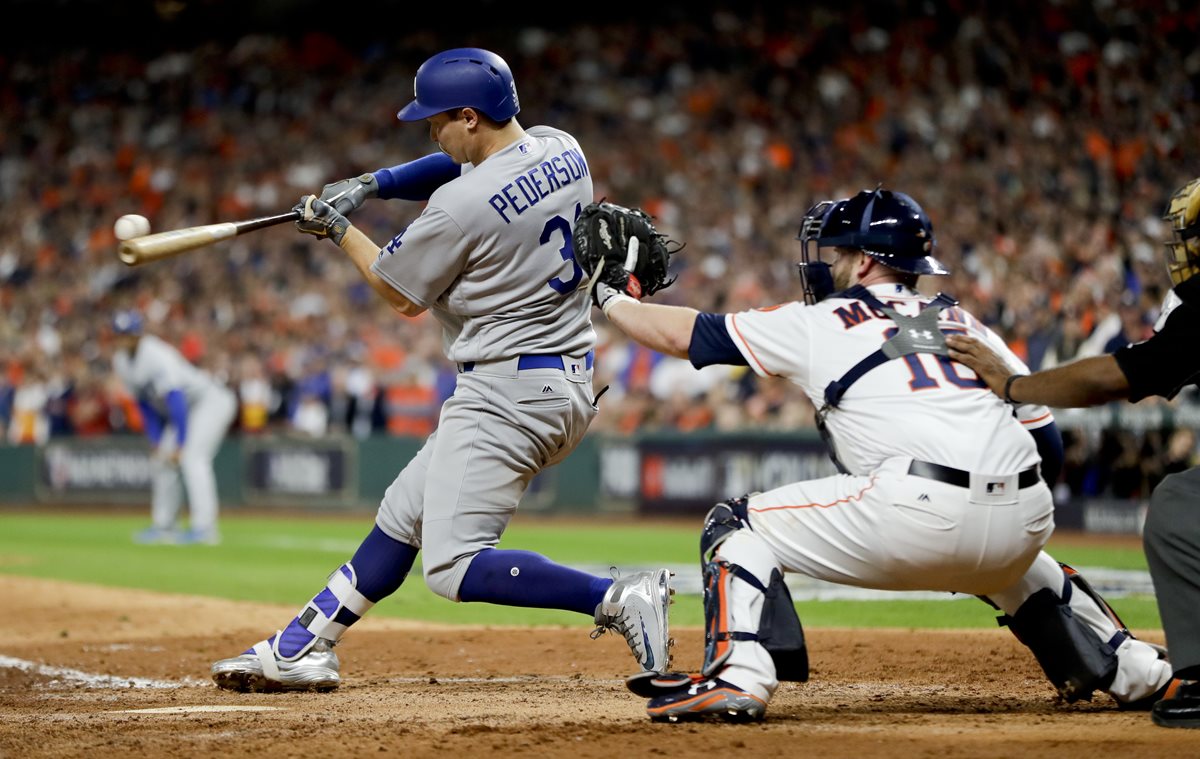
column 286, row 559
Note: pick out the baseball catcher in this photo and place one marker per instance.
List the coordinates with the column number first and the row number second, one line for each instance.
column 624, row 256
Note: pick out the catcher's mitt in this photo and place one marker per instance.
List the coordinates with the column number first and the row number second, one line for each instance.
column 619, row 247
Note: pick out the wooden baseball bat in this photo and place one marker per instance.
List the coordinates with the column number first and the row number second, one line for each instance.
column 141, row 250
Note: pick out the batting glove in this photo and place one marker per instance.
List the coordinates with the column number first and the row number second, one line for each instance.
column 319, row 219
column 348, row 195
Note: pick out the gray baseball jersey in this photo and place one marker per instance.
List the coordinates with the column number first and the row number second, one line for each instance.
column 491, row 254
column 491, row 257
column 155, row 369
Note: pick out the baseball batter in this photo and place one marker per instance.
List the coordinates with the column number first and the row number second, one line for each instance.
column 491, row 257
column 940, row 487
column 186, row 413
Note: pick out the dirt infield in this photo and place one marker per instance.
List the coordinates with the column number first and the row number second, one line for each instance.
column 418, row 690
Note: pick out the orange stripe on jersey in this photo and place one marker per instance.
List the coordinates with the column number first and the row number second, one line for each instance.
column 733, row 320
column 857, row 497
column 1037, row 419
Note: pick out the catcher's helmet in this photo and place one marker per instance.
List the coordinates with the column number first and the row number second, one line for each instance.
column 465, row 77
column 888, row 226
column 1183, row 249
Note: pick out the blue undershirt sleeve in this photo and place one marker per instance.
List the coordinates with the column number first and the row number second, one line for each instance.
column 178, row 410
column 152, row 423
column 1050, row 448
column 711, row 343
column 416, row 180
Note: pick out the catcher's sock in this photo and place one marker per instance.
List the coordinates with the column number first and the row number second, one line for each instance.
column 524, row 578
column 380, row 565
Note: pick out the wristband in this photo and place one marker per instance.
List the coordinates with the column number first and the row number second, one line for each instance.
column 1008, row 383
column 613, row 300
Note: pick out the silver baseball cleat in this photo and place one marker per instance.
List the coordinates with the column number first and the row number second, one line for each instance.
column 262, row 671
column 636, row 607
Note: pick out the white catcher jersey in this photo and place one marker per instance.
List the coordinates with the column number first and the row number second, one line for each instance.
column 156, row 368
column 924, row 406
column 491, row 254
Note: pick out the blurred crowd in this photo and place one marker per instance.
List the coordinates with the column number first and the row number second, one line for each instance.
column 1042, row 138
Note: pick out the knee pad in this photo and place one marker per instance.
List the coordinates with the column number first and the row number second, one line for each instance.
column 335, row 608
column 1076, row 660
column 777, row 628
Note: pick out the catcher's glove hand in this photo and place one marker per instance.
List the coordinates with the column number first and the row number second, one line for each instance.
column 621, row 251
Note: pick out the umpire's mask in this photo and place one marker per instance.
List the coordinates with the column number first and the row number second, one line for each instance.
column 1183, row 249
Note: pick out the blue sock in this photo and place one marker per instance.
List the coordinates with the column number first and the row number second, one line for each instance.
column 524, row 578
column 380, row 565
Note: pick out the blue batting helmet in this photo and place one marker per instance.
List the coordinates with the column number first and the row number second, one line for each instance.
column 465, row 77
column 127, row 323
column 888, row 226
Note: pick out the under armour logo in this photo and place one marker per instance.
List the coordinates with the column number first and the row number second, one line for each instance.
column 921, row 334
column 697, row 687
column 547, row 389
column 923, row 497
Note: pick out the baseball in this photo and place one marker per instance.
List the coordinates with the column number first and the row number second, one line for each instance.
column 131, row 225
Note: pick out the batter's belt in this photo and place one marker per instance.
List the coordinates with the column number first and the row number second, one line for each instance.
column 534, row 361
column 951, row 476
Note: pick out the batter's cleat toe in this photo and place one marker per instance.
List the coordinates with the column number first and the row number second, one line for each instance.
column 636, row 607
column 1180, row 707
column 707, row 698
column 156, row 536
column 260, row 670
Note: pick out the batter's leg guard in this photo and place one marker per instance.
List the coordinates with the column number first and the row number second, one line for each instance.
column 1083, row 646
column 300, row 657
column 746, row 601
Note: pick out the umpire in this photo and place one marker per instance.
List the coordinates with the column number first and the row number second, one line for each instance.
column 1162, row 365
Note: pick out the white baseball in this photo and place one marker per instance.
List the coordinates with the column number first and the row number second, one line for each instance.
column 131, row 225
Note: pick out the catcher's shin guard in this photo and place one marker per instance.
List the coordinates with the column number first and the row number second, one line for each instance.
column 756, row 608
column 1083, row 646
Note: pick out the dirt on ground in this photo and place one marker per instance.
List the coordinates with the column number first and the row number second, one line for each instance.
column 93, row 671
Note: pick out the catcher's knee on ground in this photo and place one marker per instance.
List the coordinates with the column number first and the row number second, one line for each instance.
column 753, row 637
column 1079, row 641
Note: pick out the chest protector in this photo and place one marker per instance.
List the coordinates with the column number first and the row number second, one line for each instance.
column 914, row 334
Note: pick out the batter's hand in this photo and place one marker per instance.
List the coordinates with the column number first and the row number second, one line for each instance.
column 348, row 195
column 985, row 361
column 320, row 219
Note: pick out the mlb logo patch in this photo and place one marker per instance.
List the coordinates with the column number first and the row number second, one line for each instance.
column 995, row 488
column 524, row 148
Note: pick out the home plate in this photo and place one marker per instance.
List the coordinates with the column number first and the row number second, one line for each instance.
column 200, row 708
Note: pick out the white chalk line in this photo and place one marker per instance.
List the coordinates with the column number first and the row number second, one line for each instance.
column 200, row 708
column 75, row 677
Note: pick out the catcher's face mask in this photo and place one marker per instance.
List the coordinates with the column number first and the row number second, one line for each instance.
column 1183, row 249
column 816, row 276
